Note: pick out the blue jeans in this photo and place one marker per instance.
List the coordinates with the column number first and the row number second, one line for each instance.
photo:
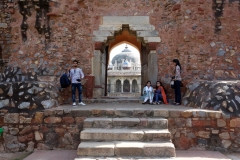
column 177, row 89
column 158, row 95
column 79, row 87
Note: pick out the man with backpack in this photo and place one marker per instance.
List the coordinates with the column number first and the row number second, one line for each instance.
column 76, row 74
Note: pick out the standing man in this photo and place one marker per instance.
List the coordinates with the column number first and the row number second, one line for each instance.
column 76, row 74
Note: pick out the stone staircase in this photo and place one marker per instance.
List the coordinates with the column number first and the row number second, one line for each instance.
column 125, row 137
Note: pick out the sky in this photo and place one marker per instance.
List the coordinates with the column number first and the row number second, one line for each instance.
column 118, row 49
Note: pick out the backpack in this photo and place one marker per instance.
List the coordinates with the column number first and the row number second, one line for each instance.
column 64, row 81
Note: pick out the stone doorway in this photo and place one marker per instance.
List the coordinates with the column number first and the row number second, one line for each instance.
column 136, row 30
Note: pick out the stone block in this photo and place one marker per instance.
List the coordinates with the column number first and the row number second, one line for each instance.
column 80, row 113
column 52, row 120
column 221, row 122
column 96, row 134
column 127, row 149
column 3, row 25
column 224, row 135
column 235, row 122
column 157, row 123
column 125, row 20
column 38, row 117
column 96, row 149
column 174, row 114
column 157, row 135
column 97, row 123
column 126, row 122
column 152, row 39
column 124, row 112
column 180, row 122
column 186, row 114
column 159, row 150
column 110, row 27
column 141, row 112
column 38, row 136
column 213, row 114
column 100, row 39
column 105, row 33
column 11, row 118
column 204, row 134
column 160, row 113
column 143, row 27
column 147, row 33
column 68, row 120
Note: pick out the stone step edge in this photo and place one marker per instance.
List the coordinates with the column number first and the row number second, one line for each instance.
column 118, row 148
column 126, row 122
column 142, row 135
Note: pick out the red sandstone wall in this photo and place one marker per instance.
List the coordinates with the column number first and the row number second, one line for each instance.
column 193, row 31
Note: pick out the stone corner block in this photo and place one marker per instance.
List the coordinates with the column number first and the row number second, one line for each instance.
column 160, row 113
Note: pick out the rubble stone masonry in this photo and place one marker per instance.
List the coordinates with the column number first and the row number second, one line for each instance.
column 40, row 38
column 53, row 129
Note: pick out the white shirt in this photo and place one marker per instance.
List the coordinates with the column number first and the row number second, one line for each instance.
column 148, row 89
column 76, row 74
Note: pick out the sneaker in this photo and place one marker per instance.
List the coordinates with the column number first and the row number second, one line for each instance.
column 81, row 103
column 144, row 102
column 74, row 103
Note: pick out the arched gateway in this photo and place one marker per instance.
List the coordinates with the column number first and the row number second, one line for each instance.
column 135, row 30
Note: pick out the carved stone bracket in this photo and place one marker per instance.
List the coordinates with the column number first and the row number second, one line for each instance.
column 98, row 45
column 152, row 45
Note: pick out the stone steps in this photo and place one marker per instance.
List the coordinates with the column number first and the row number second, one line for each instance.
column 125, row 137
column 155, row 123
column 126, row 149
column 125, row 134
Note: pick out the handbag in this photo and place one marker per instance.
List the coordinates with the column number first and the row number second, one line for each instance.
column 172, row 84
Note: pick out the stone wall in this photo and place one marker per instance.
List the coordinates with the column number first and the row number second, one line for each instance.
column 216, row 95
column 52, row 129
column 6, row 11
column 203, row 35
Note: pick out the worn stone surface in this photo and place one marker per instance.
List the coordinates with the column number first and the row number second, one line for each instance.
column 215, row 95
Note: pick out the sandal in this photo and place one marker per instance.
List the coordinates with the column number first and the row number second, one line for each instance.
column 177, row 104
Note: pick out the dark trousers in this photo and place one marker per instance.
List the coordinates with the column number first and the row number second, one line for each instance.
column 79, row 87
column 158, row 95
column 177, row 90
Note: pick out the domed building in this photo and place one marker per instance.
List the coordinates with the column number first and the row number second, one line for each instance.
column 124, row 75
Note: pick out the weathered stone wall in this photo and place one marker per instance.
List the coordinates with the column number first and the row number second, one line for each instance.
column 52, row 129
column 203, row 35
column 217, row 95
column 6, row 11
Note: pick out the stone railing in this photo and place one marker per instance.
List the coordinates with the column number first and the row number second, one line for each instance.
column 52, row 129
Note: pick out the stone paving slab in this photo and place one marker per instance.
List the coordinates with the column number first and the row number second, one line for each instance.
column 72, row 154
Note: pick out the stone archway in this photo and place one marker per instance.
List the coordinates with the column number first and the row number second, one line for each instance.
column 111, row 26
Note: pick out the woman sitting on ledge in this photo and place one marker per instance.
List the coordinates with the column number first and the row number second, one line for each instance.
column 148, row 93
column 160, row 93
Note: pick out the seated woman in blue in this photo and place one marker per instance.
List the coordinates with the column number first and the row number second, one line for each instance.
column 148, row 93
column 160, row 93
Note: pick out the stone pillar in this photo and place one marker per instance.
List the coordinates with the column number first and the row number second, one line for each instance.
column 113, row 86
column 121, row 86
column 152, row 66
column 97, row 72
column 130, row 86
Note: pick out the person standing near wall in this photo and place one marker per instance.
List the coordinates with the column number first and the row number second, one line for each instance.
column 177, row 81
column 76, row 74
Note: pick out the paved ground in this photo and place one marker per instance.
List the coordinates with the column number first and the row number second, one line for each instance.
column 72, row 154
column 130, row 106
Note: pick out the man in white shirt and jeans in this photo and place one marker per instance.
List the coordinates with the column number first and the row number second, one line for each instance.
column 76, row 74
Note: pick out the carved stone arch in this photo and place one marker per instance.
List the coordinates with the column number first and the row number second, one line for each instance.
column 136, row 30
